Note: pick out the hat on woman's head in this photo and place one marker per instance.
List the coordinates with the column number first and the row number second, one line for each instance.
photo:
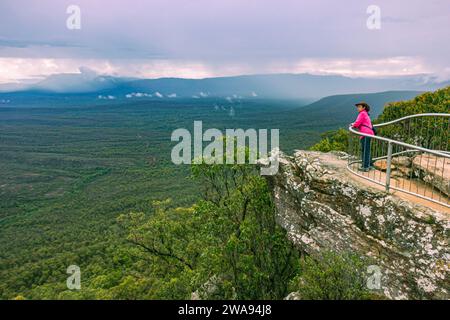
column 364, row 105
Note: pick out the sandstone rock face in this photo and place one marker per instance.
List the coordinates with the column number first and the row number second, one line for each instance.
column 323, row 206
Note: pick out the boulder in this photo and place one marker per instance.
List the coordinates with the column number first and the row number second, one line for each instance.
column 433, row 170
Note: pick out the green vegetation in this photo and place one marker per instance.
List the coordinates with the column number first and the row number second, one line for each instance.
column 226, row 246
column 332, row 141
column 435, row 102
column 70, row 167
column 81, row 183
column 332, row 277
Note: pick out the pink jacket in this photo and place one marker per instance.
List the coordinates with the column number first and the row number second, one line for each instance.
column 363, row 123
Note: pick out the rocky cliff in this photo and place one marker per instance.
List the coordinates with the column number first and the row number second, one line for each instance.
column 323, row 206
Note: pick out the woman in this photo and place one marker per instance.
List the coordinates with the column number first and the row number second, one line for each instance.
column 364, row 125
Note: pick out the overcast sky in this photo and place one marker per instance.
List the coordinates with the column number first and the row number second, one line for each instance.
column 203, row 38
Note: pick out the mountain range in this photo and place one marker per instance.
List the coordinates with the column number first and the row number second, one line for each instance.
column 289, row 86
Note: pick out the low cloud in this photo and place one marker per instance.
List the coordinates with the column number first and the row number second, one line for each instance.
column 20, row 70
column 108, row 97
column 138, row 95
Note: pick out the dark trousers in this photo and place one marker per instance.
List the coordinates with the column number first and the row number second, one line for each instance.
column 365, row 152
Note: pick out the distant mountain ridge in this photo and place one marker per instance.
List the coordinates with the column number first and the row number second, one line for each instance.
column 290, row 86
column 344, row 104
column 337, row 111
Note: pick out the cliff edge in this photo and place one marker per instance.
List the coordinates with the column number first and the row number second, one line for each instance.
column 325, row 207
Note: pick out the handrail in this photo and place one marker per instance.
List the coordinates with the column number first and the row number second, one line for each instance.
column 379, row 125
column 432, row 181
column 403, row 144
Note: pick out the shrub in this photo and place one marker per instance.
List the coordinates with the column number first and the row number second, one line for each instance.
column 332, row 276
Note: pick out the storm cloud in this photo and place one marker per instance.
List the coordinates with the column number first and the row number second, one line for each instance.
column 200, row 38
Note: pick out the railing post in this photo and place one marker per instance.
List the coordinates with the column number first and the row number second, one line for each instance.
column 388, row 166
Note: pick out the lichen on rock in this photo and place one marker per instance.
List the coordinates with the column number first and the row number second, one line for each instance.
column 324, row 207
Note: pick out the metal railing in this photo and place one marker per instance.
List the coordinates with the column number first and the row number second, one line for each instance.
column 410, row 154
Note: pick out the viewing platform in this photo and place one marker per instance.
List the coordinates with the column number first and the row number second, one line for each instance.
column 410, row 155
